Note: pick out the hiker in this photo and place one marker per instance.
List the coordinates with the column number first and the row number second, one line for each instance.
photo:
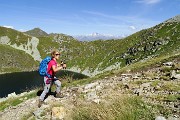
column 52, row 68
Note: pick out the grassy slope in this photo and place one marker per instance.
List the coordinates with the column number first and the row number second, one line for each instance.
column 13, row 60
column 160, row 42
column 15, row 36
column 125, row 108
column 157, row 41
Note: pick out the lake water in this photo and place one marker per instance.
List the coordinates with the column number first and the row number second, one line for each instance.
column 23, row 81
column 19, row 82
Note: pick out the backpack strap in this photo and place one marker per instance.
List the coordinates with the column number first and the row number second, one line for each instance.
column 48, row 75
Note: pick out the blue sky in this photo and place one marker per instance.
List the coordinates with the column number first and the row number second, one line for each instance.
column 82, row 17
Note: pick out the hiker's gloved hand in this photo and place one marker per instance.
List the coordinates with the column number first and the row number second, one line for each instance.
column 64, row 66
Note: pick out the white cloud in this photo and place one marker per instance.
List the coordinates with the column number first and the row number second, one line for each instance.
column 121, row 20
column 148, row 1
column 132, row 27
column 117, row 23
column 7, row 26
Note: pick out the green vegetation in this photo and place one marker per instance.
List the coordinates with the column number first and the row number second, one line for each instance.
column 15, row 37
column 154, row 43
column 15, row 101
column 171, row 86
column 36, row 32
column 172, row 98
column 13, row 60
column 139, row 52
column 120, row 108
column 155, row 83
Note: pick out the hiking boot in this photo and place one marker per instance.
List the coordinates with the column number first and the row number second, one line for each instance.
column 40, row 103
column 59, row 95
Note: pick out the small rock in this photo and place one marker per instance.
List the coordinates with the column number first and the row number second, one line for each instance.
column 168, row 63
column 80, row 90
column 37, row 113
column 135, row 77
column 91, row 95
column 160, row 118
column 96, row 101
column 12, row 95
column 98, row 87
column 58, row 113
column 74, row 89
column 145, row 85
column 174, row 75
column 91, row 85
column 173, row 118
column 34, row 101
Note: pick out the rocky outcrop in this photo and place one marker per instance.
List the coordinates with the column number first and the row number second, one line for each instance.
column 174, row 75
column 174, row 19
column 30, row 47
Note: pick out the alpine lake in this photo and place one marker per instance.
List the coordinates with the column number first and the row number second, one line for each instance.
column 25, row 81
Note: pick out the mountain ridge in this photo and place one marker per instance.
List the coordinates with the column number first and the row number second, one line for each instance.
column 95, row 57
column 144, row 84
column 36, row 32
column 174, row 19
column 96, row 36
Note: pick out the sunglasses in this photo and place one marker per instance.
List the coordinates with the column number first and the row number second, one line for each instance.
column 57, row 54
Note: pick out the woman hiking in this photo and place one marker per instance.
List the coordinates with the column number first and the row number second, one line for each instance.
column 52, row 68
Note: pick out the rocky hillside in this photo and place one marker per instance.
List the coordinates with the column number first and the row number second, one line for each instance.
column 174, row 19
column 145, row 94
column 95, row 57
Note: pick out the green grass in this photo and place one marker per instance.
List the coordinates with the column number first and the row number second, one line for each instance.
column 172, row 98
column 13, row 60
column 10, row 102
column 137, row 66
column 15, row 101
column 171, row 86
column 158, row 41
column 139, row 82
column 16, row 37
column 101, row 54
column 120, row 108
column 167, row 98
column 155, row 83
column 36, row 32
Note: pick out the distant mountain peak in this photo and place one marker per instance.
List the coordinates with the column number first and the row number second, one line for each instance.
column 96, row 36
column 174, row 19
column 37, row 29
column 36, row 32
